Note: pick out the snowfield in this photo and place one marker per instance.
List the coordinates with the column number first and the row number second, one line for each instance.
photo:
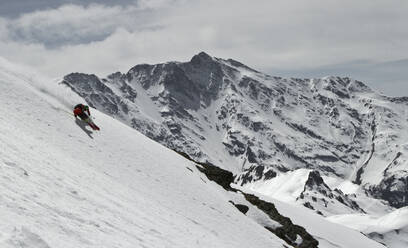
column 63, row 185
column 391, row 228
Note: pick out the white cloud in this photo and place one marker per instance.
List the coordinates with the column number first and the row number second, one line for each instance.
column 264, row 34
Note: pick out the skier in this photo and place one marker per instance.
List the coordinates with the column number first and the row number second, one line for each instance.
column 81, row 110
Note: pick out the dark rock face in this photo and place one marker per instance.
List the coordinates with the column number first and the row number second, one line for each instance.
column 242, row 208
column 394, row 190
column 288, row 231
column 222, row 177
column 317, row 195
column 95, row 92
column 315, row 179
column 255, row 173
column 223, row 112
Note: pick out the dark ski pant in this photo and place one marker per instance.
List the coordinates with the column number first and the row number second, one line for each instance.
column 84, row 117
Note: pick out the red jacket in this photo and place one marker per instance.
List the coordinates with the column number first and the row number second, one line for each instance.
column 79, row 110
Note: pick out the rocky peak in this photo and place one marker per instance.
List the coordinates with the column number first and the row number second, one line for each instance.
column 318, row 196
column 139, row 72
column 314, row 179
column 85, row 82
column 357, row 86
column 115, row 76
column 201, row 58
column 344, row 86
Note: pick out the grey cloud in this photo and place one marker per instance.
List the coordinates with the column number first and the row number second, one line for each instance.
column 75, row 24
column 14, row 8
column 306, row 38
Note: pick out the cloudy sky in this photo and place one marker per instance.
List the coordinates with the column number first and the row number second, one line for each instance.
column 365, row 39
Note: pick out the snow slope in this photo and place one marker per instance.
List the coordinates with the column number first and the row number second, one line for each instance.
column 391, row 229
column 63, row 186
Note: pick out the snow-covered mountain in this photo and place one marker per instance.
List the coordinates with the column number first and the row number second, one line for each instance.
column 338, row 146
column 63, row 185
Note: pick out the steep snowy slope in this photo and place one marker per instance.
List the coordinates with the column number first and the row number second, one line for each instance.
column 64, row 186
